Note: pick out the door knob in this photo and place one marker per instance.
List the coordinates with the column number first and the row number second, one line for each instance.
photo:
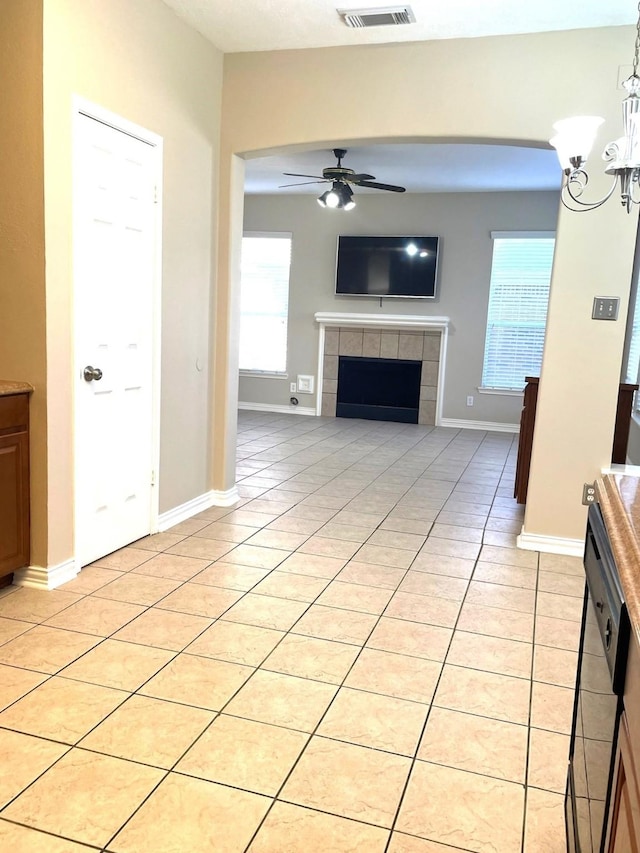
column 91, row 373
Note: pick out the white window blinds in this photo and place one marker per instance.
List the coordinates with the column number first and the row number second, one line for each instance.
column 266, row 259
column 518, row 299
column 633, row 360
column 632, row 364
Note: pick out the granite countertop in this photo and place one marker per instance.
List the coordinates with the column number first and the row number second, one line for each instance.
column 619, row 497
column 7, row 387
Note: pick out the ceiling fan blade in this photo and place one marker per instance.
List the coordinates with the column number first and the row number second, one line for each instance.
column 302, row 184
column 355, row 179
column 375, row 186
column 298, row 175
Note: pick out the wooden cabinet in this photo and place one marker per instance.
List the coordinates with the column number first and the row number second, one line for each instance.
column 623, row 834
column 624, row 823
column 14, row 484
column 527, row 423
column 525, row 440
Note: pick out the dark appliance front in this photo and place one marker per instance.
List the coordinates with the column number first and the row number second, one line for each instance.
column 598, row 701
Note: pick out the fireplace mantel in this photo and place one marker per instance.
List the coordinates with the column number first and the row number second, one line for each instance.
column 409, row 323
column 382, row 321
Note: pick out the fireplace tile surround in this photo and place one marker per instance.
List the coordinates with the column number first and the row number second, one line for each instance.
column 409, row 337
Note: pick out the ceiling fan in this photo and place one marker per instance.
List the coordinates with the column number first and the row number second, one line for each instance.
column 341, row 195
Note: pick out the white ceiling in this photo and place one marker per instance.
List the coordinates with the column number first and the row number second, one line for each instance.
column 256, row 25
column 418, row 168
column 247, row 25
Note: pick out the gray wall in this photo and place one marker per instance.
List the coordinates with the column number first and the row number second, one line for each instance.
column 633, row 447
column 463, row 221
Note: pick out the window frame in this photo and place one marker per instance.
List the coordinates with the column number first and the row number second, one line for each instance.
column 508, row 235
column 631, row 373
column 254, row 371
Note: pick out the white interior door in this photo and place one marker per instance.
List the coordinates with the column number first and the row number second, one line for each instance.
column 115, row 275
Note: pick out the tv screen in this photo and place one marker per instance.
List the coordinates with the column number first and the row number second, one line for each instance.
column 387, row 266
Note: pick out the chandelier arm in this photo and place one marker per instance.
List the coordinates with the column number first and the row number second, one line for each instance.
column 585, row 205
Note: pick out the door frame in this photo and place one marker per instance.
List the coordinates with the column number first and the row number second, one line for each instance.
column 83, row 109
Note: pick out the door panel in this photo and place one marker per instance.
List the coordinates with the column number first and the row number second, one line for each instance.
column 115, row 234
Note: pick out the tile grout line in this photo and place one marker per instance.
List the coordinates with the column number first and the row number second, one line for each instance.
column 319, row 723
column 367, row 484
column 426, row 722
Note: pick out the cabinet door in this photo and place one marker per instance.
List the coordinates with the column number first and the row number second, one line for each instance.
column 624, row 834
column 14, row 502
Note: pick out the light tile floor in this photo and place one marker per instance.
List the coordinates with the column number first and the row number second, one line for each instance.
column 354, row 657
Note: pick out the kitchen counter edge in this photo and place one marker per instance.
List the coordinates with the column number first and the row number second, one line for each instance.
column 619, row 498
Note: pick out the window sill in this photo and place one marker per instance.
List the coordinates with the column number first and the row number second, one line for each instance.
column 264, row 374
column 503, row 392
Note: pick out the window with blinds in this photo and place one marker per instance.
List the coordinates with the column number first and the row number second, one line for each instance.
column 264, row 302
column 634, row 351
column 632, row 362
column 518, row 299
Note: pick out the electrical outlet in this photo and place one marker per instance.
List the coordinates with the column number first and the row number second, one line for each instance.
column 588, row 494
column 292, row 387
column 469, row 400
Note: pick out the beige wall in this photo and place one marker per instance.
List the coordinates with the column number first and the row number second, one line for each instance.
column 580, row 374
column 462, row 221
column 505, row 88
column 137, row 59
column 22, row 288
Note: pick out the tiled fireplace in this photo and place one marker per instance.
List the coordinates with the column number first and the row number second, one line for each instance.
column 384, row 336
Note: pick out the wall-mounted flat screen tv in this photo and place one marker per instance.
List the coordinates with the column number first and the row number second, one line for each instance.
column 387, row 266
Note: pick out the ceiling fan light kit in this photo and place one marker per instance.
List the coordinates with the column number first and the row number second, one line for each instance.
column 574, row 140
column 340, row 196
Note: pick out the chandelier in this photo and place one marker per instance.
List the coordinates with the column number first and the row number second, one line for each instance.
column 574, row 140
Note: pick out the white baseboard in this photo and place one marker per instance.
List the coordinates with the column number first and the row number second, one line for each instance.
column 39, row 577
column 550, row 544
column 489, row 426
column 195, row 505
column 287, row 410
column 226, row 498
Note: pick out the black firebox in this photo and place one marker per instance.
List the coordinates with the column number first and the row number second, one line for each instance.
column 378, row 389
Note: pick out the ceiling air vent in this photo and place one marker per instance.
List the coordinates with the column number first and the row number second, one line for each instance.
column 380, row 17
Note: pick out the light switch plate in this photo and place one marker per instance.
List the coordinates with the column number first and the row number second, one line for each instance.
column 605, row 308
column 305, row 384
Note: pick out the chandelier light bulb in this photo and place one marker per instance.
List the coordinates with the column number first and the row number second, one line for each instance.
column 564, row 151
column 576, row 136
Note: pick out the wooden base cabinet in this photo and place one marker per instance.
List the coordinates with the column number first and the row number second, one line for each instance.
column 527, row 424
column 624, row 832
column 14, row 485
